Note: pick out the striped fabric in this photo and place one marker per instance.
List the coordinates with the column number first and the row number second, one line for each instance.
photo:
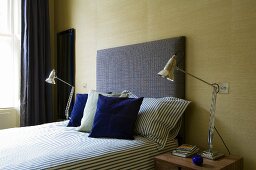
column 54, row 146
column 158, row 118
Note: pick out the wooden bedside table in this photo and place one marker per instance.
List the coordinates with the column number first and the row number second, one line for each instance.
column 168, row 161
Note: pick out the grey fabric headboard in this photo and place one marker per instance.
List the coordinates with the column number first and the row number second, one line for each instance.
column 135, row 68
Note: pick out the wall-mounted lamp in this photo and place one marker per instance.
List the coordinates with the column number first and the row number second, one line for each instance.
column 168, row 73
column 51, row 80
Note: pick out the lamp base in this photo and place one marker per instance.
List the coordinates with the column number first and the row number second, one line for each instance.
column 212, row 155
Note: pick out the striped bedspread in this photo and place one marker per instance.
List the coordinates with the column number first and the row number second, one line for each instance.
column 54, row 146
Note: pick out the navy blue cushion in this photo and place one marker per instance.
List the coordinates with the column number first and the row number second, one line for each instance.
column 115, row 117
column 78, row 110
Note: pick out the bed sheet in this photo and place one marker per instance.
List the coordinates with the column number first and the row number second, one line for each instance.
column 55, row 146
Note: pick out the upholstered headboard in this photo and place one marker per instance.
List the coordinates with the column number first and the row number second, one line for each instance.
column 135, row 68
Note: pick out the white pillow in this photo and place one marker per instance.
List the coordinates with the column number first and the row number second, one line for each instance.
column 90, row 109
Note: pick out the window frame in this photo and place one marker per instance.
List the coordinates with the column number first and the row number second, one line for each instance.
column 14, row 34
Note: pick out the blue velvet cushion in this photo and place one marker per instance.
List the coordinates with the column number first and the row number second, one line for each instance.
column 115, row 117
column 78, row 110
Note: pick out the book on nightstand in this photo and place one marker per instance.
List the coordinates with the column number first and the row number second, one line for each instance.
column 185, row 150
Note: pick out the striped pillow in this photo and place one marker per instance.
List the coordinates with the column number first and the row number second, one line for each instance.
column 158, row 117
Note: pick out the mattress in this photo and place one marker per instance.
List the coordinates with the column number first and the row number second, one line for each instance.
column 55, row 146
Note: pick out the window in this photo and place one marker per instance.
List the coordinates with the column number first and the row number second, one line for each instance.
column 10, row 15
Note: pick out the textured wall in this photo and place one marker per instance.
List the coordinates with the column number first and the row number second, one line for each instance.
column 221, row 38
column 8, row 118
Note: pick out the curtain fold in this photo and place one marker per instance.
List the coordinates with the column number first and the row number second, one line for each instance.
column 35, row 96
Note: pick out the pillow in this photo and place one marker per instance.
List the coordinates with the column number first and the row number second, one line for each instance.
column 77, row 111
column 175, row 130
column 115, row 117
column 130, row 94
column 158, row 117
column 124, row 93
column 90, row 109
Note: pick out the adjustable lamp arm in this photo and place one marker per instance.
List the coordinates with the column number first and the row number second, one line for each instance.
column 214, row 85
column 212, row 108
column 177, row 68
column 63, row 81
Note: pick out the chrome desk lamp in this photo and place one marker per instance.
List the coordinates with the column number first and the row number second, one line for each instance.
column 51, row 80
column 168, row 73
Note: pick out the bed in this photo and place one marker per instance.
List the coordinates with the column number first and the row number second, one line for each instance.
column 130, row 69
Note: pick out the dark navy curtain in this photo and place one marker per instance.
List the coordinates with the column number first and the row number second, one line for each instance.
column 35, row 63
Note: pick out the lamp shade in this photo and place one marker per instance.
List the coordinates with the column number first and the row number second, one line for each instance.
column 168, row 71
column 51, row 78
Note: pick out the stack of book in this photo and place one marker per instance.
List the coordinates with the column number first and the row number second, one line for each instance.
column 185, row 150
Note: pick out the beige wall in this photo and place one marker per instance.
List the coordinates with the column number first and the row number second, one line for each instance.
column 221, row 39
column 8, row 118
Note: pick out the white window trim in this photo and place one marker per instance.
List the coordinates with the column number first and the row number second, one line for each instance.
column 16, row 44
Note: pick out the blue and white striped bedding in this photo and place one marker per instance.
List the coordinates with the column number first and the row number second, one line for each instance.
column 55, row 146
